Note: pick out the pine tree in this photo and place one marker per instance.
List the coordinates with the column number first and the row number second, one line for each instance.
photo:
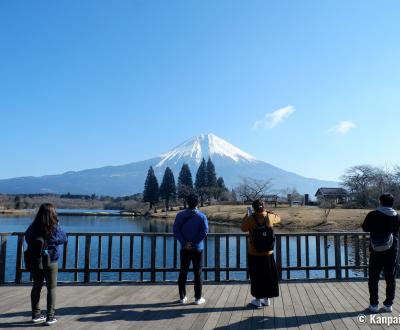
column 185, row 183
column 168, row 188
column 221, row 184
column 211, row 179
column 201, row 181
column 221, row 188
column 151, row 190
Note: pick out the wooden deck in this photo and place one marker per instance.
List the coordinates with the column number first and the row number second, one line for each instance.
column 307, row 305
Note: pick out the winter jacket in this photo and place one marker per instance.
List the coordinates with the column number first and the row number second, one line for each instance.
column 249, row 223
column 380, row 222
column 191, row 225
column 53, row 241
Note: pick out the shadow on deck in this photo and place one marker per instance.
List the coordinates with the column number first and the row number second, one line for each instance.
column 328, row 305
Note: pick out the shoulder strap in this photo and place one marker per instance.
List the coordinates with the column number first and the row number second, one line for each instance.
column 256, row 220
column 40, row 238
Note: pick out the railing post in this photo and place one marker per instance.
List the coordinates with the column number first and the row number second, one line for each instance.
column 338, row 257
column 18, row 261
column 153, row 259
column 76, row 262
column 86, row 276
column 3, row 253
column 217, row 258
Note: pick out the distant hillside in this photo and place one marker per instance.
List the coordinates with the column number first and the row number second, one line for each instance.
column 231, row 163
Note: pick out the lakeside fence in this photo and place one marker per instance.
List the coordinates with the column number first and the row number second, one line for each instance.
column 154, row 257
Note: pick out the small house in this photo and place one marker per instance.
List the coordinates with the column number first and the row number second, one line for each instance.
column 338, row 195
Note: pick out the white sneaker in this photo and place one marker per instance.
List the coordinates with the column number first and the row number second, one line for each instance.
column 183, row 301
column 256, row 302
column 266, row 301
column 200, row 301
column 373, row 308
column 387, row 308
column 38, row 319
column 51, row 320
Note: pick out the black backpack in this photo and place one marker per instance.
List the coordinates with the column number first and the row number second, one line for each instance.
column 36, row 256
column 263, row 236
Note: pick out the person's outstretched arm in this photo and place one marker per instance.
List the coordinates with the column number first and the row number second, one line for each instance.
column 245, row 226
column 273, row 217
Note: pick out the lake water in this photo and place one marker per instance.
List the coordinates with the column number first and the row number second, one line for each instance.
column 87, row 224
column 110, row 224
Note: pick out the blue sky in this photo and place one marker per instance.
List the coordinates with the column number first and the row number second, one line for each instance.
column 311, row 87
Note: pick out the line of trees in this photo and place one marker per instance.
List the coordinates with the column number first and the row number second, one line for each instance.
column 206, row 185
column 366, row 183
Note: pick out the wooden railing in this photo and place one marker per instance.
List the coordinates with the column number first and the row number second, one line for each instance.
column 154, row 257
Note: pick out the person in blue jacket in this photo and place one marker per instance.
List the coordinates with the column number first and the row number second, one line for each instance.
column 45, row 229
column 190, row 229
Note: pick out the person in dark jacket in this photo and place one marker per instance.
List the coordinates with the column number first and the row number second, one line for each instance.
column 383, row 225
column 190, row 229
column 45, row 229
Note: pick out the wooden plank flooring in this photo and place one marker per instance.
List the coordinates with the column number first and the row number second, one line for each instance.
column 303, row 305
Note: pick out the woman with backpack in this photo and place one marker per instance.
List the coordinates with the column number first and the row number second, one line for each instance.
column 43, row 237
column 262, row 268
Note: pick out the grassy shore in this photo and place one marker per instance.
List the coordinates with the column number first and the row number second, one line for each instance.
column 17, row 213
column 304, row 218
column 295, row 218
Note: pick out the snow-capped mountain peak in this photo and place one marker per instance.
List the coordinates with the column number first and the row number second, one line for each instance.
column 204, row 146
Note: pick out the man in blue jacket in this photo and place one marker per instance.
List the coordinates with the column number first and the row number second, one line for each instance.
column 190, row 229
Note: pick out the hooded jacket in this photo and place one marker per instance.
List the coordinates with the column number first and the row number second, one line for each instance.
column 53, row 241
column 191, row 225
column 381, row 222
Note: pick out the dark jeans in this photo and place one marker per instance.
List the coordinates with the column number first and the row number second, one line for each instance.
column 196, row 257
column 385, row 260
column 50, row 275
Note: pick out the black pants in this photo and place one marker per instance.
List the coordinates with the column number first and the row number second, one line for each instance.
column 385, row 260
column 196, row 257
column 39, row 276
column 263, row 276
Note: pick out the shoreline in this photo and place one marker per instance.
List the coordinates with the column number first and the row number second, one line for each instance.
column 65, row 213
column 293, row 219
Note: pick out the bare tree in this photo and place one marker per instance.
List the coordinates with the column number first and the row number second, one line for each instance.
column 326, row 204
column 366, row 183
column 250, row 189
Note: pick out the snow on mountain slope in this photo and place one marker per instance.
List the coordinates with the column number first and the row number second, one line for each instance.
column 204, row 146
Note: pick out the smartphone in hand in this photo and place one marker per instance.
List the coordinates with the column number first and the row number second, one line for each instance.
column 249, row 211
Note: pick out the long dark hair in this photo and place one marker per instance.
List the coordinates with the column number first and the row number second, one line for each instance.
column 46, row 220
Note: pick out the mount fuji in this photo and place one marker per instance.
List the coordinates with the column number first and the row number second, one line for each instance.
column 230, row 162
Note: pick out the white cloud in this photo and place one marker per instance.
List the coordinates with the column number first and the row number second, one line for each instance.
column 342, row 128
column 272, row 119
